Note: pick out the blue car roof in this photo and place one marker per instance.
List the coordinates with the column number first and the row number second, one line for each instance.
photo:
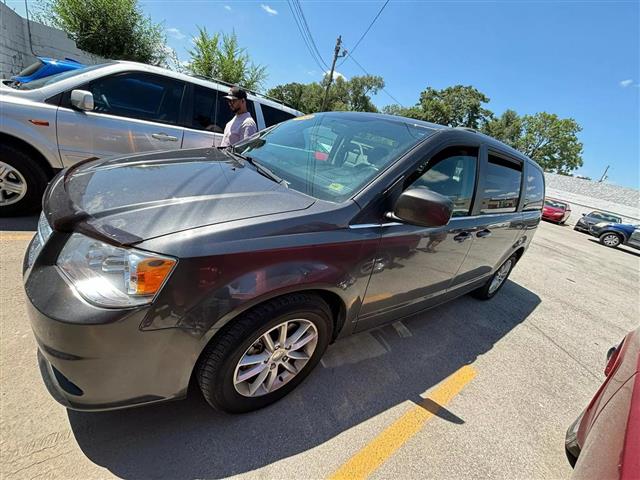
column 49, row 66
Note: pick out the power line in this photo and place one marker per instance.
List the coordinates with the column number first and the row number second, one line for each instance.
column 308, row 30
column 367, row 73
column 305, row 34
column 304, row 38
column 367, row 30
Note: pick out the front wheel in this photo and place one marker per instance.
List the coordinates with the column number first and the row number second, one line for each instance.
column 496, row 282
column 265, row 353
column 22, row 182
column 610, row 239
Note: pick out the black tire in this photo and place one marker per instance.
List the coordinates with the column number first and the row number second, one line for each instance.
column 217, row 364
column 34, row 177
column 611, row 239
column 484, row 293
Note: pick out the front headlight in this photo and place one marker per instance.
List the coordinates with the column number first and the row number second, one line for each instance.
column 41, row 237
column 112, row 276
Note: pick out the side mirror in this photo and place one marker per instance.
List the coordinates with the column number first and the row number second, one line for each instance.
column 421, row 206
column 584, row 214
column 82, row 100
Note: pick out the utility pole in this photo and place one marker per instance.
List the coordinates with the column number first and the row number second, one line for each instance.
column 604, row 175
column 336, row 54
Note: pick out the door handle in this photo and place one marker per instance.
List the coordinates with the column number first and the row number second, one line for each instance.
column 462, row 236
column 483, row 233
column 164, row 137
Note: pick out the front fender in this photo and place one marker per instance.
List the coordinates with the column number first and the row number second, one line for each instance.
column 16, row 116
column 622, row 233
column 204, row 294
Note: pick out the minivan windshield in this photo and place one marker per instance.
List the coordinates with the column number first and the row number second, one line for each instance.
column 331, row 156
column 51, row 79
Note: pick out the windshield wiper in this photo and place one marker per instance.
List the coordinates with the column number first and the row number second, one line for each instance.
column 264, row 171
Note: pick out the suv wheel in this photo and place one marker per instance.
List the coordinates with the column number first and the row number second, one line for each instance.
column 610, row 239
column 265, row 353
column 22, row 182
column 497, row 281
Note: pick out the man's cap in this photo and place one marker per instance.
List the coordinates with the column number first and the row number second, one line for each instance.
column 236, row 93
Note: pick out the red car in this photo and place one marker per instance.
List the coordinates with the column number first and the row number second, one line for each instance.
column 555, row 211
column 604, row 442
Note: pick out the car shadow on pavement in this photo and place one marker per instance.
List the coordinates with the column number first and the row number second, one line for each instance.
column 622, row 248
column 360, row 377
column 19, row 224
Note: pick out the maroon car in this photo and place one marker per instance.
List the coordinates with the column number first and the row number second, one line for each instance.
column 555, row 211
column 604, row 442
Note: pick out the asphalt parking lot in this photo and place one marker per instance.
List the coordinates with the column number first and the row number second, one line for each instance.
column 469, row 389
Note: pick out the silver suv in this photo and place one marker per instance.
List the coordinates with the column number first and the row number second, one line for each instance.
column 102, row 110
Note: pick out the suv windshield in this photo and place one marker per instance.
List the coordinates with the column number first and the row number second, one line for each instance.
column 44, row 81
column 331, row 156
column 605, row 217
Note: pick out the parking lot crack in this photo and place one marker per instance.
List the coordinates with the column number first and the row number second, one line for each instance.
column 584, row 367
column 39, row 463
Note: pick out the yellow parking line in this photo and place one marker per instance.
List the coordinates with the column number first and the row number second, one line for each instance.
column 376, row 452
column 16, row 236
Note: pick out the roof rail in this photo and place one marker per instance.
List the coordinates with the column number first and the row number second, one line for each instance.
column 253, row 92
column 468, row 129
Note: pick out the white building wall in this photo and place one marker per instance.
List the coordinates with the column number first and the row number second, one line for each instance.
column 585, row 196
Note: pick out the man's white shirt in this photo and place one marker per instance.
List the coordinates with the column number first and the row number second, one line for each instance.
column 239, row 127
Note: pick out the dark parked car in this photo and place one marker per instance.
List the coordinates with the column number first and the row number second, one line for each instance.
column 616, row 234
column 555, row 211
column 604, row 441
column 239, row 266
column 584, row 223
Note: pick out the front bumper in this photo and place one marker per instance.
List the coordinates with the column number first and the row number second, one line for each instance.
column 581, row 226
column 94, row 358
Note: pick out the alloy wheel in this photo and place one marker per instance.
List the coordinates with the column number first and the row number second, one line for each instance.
column 13, row 186
column 611, row 240
column 500, row 276
column 275, row 358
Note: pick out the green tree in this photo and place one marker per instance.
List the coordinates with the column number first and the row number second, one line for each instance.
column 115, row 29
column 220, row 56
column 551, row 141
column 507, row 128
column 457, row 106
column 344, row 95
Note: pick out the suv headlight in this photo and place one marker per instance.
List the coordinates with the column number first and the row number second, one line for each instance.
column 112, row 276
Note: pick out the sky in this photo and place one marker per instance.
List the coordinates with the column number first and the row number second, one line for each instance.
column 578, row 59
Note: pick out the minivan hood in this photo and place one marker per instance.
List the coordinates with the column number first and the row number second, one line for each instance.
column 144, row 196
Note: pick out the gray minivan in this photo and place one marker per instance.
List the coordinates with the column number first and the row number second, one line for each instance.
column 104, row 110
column 236, row 267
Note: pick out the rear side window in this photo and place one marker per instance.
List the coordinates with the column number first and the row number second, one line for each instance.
column 534, row 193
column 138, row 95
column 274, row 115
column 452, row 173
column 204, row 109
column 501, row 186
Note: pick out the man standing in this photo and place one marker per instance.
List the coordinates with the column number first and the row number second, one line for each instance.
column 241, row 125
